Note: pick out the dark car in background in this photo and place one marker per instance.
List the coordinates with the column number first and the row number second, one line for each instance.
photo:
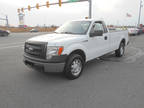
column 4, row 32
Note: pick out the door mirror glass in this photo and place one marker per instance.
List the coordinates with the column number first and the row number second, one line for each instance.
column 96, row 33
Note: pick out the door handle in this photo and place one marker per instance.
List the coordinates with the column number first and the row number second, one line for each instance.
column 105, row 37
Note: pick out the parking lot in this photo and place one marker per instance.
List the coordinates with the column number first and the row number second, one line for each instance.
column 107, row 82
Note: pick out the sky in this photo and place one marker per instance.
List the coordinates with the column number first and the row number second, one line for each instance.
column 111, row 11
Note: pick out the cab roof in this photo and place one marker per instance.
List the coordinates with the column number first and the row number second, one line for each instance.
column 92, row 20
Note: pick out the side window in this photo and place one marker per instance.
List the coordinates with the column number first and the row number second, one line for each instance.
column 105, row 28
column 97, row 27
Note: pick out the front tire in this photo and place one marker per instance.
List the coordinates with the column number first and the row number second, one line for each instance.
column 120, row 52
column 74, row 66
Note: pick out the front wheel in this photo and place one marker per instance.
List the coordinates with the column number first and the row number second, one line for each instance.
column 74, row 66
column 120, row 52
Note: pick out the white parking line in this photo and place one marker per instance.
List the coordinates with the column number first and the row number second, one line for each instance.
column 8, row 47
column 11, row 44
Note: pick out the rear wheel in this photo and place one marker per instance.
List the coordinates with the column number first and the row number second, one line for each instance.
column 74, row 66
column 120, row 52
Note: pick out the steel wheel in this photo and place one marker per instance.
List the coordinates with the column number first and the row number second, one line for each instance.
column 122, row 50
column 76, row 67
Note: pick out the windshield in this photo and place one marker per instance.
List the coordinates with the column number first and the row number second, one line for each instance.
column 74, row 27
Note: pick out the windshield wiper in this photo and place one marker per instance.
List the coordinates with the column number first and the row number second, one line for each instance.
column 67, row 33
column 56, row 32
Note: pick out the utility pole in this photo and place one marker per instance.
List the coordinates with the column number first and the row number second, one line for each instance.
column 90, row 9
column 139, row 18
column 7, row 22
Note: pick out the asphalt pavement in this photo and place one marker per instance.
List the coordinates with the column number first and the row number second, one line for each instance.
column 107, row 82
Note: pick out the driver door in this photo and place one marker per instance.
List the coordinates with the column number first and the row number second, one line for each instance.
column 98, row 43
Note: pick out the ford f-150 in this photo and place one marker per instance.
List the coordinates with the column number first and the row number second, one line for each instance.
column 72, row 45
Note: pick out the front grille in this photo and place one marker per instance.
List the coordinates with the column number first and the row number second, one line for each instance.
column 36, row 49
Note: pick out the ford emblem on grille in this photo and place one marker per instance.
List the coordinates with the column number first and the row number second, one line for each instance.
column 30, row 48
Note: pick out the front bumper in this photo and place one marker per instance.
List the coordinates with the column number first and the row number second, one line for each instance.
column 56, row 64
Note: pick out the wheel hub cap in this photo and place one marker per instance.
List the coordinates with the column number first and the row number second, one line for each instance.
column 76, row 67
column 122, row 51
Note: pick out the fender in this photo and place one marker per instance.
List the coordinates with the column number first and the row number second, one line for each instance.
column 77, row 46
column 123, row 37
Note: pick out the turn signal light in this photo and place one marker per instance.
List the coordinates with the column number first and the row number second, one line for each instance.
column 60, row 50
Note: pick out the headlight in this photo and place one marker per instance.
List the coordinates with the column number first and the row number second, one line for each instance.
column 53, row 51
column 8, row 31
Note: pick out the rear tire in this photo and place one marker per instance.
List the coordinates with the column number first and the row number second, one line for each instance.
column 74, row 66
column 120, row 52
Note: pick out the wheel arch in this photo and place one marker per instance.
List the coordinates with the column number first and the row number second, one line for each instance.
column 123, row 41
column 80, row 52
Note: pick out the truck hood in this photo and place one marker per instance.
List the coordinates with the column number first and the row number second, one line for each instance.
column 58, row 39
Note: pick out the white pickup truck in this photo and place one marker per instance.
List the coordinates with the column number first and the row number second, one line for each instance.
column 72, row 45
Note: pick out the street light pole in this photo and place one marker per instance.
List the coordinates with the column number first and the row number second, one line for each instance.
column 139, row 18
column 90, row 9
column 7, row 21
column 65, row 2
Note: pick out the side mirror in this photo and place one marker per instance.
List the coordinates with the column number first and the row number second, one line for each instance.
column 96, row 33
